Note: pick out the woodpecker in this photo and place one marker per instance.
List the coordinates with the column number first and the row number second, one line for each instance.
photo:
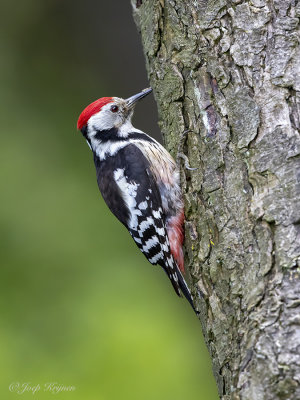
column 139, row 181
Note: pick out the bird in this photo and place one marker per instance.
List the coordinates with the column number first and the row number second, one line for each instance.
column 140, row 183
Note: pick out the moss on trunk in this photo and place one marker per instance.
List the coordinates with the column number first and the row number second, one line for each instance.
column 229, row 72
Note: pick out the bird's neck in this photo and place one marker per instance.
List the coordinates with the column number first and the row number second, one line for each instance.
column 108, row 142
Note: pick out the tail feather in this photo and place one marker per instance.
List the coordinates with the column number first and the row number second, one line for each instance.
column 185, row 290
column 180, row 286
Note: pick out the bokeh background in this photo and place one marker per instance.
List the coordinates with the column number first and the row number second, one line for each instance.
column 80, row 305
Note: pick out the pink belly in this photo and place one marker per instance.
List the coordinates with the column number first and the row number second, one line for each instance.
column 175, row 235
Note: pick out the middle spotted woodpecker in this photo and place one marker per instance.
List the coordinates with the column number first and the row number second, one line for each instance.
column 139, row 182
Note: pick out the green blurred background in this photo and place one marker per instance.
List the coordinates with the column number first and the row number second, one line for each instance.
column 80, row 305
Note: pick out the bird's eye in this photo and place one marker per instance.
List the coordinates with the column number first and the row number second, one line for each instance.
column 114, row 109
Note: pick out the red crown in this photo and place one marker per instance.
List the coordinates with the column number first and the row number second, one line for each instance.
column 92, row 109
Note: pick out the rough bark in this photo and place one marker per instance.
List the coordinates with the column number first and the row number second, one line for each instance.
column 229, row 72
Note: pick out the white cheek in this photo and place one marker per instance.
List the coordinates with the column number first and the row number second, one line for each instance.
column 103, row 120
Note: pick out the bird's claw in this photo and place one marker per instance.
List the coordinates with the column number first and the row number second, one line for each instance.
column 186, row 161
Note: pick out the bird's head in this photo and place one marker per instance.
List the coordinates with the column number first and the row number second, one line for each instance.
column 107, row 113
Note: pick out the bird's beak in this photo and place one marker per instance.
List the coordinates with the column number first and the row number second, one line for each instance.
column 130, row 102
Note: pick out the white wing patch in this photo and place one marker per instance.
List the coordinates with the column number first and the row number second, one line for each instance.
column 144, row 225
column 156, row 214
column 150, row 243
column 161, row 231
column 143, row 205
column 157, row 257
column 129, row 192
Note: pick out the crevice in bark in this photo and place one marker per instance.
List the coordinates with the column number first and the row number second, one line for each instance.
column 229, row 73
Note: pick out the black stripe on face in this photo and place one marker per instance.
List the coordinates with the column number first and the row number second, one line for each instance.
column 108, row 135
column 84, row 131
column 112, row 135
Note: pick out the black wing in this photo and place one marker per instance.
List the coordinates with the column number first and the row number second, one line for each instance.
column 128, row 187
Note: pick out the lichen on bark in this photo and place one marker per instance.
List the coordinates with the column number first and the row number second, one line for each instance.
column 229, row 73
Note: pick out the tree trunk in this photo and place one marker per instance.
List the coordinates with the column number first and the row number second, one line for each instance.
column 229, row 72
